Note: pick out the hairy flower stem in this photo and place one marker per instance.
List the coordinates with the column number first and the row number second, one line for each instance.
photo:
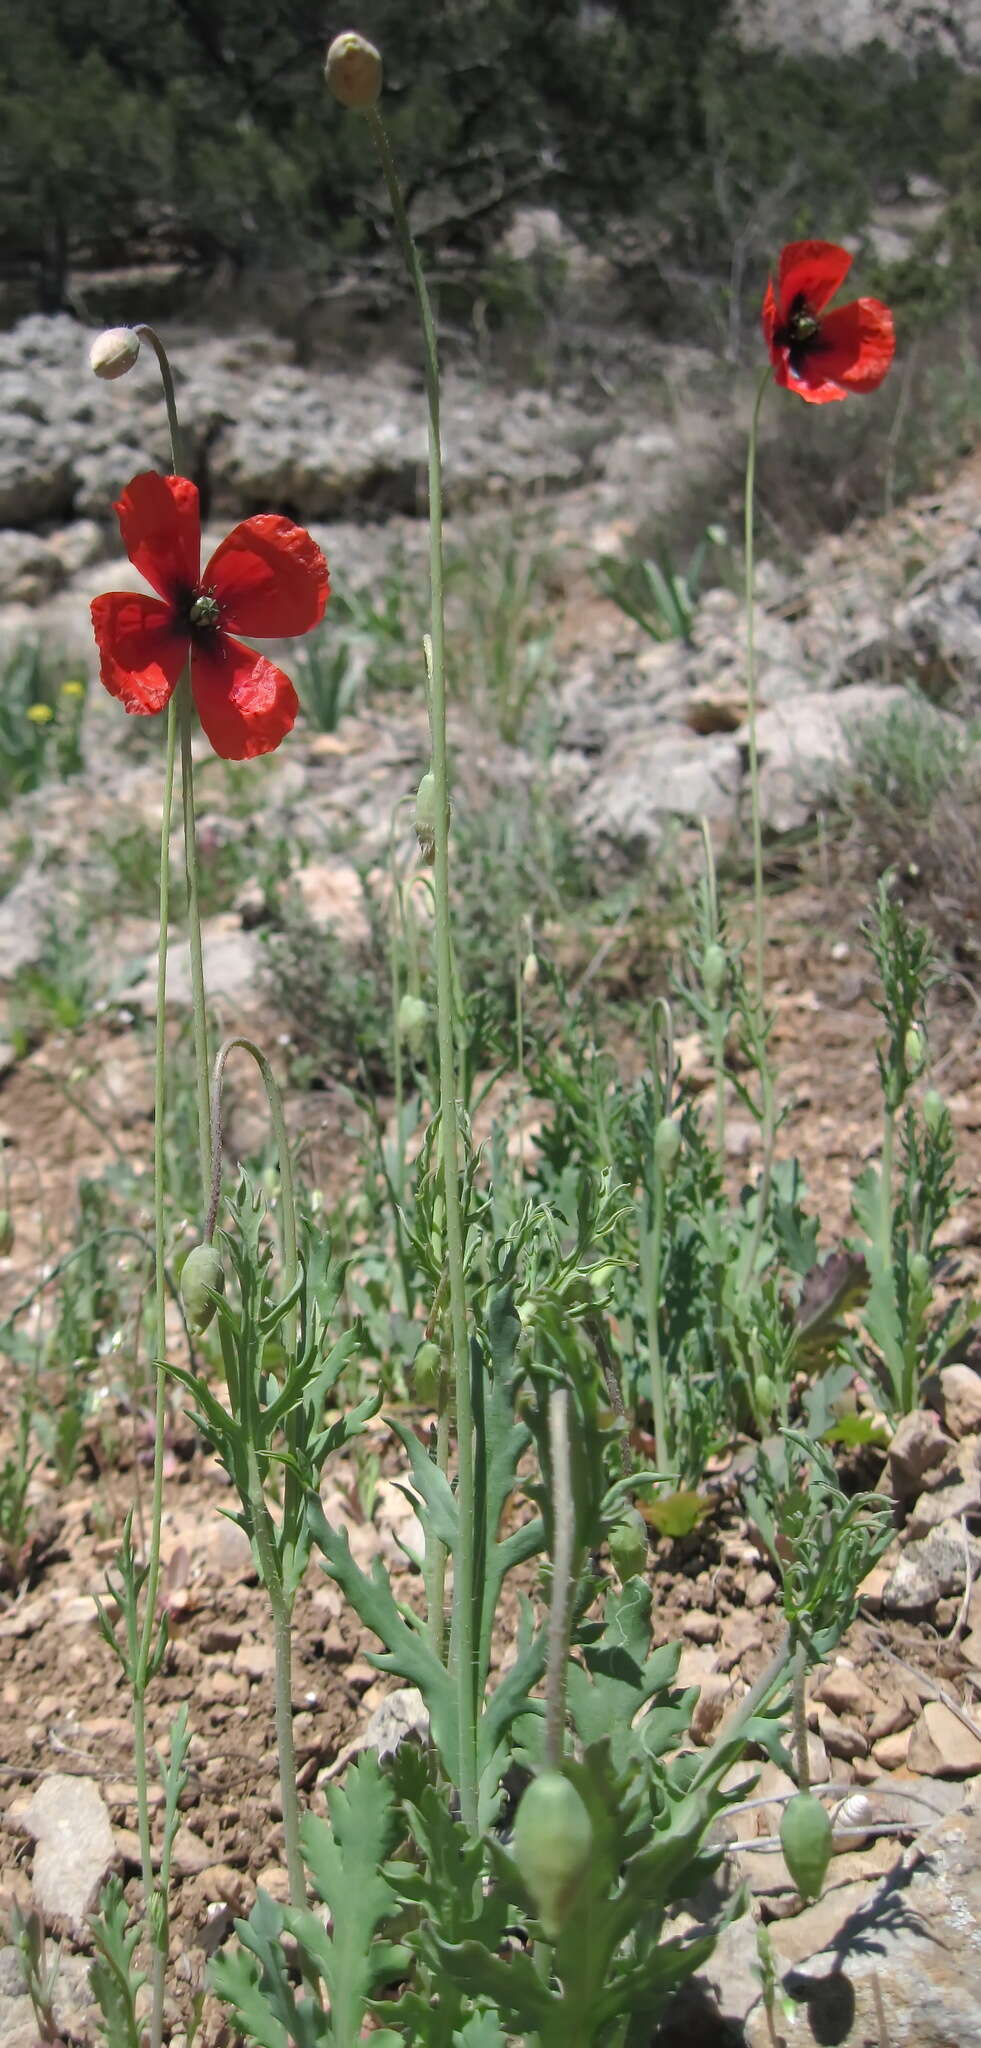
column 754, row 765
column 650, row 1248
column 800, row 1718
column 463, row 1573
column 563, row 1575
column 280, row 1603
column 202, row 1067
column 140, row 1662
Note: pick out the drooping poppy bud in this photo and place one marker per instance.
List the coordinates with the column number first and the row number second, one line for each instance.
column 6, row 1233
column 553, row 1843
column 202, row 1277
column 806, row 1841
column 354, row 71
column 114, row 352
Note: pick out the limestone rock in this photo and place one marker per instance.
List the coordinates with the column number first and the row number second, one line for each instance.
column 69, row 1820
column 960, row 1392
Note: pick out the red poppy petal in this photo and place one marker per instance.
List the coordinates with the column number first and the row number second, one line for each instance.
column 246, row 705
column 269, row 577
column 141, row 656
column 856, row 345
column 160, row 522
column 815, row 271
column 770, row 316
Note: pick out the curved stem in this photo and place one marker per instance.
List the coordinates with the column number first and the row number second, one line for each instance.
column 464, row 1561
column 166, row 377
column 754, row 766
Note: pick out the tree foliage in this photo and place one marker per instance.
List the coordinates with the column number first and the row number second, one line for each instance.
column 201, row 131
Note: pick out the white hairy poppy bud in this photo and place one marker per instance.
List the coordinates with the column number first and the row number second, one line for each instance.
column 114, row 352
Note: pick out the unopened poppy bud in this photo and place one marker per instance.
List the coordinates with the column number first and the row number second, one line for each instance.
column 628, row 1546
column 114, row 352
column 919, row 1273
column 425, row 817
column 354, row 71
column 202, row 1277
column 413, row 1019
column 914, row 1050
column 426, row 1372
column 529, row 970
column 667, row 1146
column 715, row 970
column 764, row 1394
column 934, row 1110
column 6, row 1233
column 806, row 1841
column 553, row 1844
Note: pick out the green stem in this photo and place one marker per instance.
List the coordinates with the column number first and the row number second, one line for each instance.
column 800, row 1719
column 202, row 1065
column 754, row 766
column 885, row 1185
column 279, row 1599
column 141, row 1652
column 166, row 377
column 652, row 1243
column 563, row 1575
column 463, row 1576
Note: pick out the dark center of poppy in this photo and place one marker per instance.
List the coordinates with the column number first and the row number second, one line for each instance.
column 799, row 334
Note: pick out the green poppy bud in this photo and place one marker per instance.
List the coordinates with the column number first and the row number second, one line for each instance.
column 628, row 1546
column 934, row 1110
column 914, row 1050
column 114, row 352
column 413, row 1018
column 202, row 1277
column 354, row 71
column 667, row 1146
column 920, row 1273
column 805, row 1838
column 553, row 1843
column 425, row 816
column 715, row 974
column 6, row 1233
column 764, row 1394
column 426, row 1370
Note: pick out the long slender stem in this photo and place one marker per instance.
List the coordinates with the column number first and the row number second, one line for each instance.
column 799, row 1710
column 463, row 1576
column 202, row 1065
column 754, row 766
column 563, row 1575
column 651, row 1262
column 166, row 377
column 141, row 1661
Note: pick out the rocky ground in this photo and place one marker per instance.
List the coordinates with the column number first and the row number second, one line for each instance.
column 642, row 739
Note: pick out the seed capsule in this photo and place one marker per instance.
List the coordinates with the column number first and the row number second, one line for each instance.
column 202, row 1277
column 806, row 1841
column 553, row 1843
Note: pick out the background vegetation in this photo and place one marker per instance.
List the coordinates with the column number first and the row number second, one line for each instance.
column 196, row 132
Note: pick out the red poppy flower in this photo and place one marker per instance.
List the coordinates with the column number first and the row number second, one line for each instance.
column 268, row 578
column 823, row 356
